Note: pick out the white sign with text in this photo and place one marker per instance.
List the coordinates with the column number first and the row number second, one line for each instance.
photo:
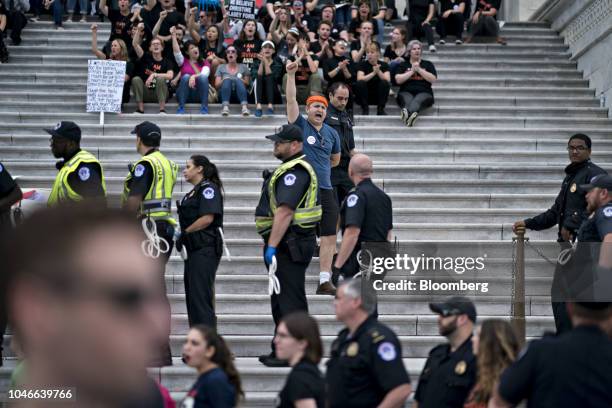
column 105, row 80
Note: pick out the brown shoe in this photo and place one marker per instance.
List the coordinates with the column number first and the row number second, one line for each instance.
column 501, row 40
column 326, row 289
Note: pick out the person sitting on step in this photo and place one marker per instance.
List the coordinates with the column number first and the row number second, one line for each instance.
column 373, row 81
column 484, row 21
column 194, row 72
column 231, row 80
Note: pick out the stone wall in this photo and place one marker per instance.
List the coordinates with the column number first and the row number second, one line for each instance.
column 586, row 26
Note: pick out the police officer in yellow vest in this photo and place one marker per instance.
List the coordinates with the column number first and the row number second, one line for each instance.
column 147, row 191
column 286, row 217
column 80, row 173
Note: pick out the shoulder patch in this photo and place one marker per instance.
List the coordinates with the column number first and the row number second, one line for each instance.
column 208, row 193
column 139, row 170
column 608, row 212
column 352, row 200
column 84, row 173
column 387, row 351
column 289, row 179
column 1, row 168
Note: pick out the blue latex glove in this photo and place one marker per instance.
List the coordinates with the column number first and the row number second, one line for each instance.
column 270, row 252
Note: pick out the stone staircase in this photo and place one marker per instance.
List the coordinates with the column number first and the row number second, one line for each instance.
column 491, row 151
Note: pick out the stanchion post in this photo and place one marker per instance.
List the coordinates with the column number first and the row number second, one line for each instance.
column 518, row 286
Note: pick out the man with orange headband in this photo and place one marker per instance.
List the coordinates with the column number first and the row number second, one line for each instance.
column 322, row 148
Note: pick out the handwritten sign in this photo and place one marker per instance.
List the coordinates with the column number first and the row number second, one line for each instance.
column 241, row 9
column 105, row 85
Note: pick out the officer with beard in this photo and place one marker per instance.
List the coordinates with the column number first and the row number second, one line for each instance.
column 452, row 364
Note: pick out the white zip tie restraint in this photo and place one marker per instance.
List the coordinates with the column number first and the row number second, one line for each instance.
column 566, row 254
column 273, row 283
column 225, row 248
column 154, row 245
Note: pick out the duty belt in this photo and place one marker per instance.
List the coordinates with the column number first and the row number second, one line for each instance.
column 151, row 206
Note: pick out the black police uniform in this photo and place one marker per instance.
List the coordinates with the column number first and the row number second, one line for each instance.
column 370, row 209
column 204, row 250
column 448, row 377
column 7, row 186
column 568, row 211
column 305, row 381
column 86, row 180
column 364, row 367
column 296, row 248
column 341, row 122
column 571, row 370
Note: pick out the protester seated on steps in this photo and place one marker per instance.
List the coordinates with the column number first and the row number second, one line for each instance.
column 484, row 22
column 150, row 85
column 378, row 9
column 211, row 47
column 16, row 19
column 83, row 5
column 307, row 78
column 397, row 50
column 118, row 52
column 231, row 81
column 373, row 81
column 451, row 20
column 359, row 45
column 268, row 71
column 194, row 72
column 422, row 12
column 364, row 13
column 414, row 77
column 280, row 25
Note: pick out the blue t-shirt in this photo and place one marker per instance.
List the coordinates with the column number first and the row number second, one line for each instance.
column 211, row 390
column 318, row 147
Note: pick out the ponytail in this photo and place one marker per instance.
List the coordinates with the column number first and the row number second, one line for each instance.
column 210, row 171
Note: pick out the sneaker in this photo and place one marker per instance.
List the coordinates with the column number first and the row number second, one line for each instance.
column 258, row 113
column 412, row 119
column 458, row 41
column 432, row 48
column 245, row 111
column 33, row 19
column 442, row 41
column 326, row 288
column 204, row 110
column 83, row 19
column 270, row 360
column 270, row 111
column 138, row 112
column 59, row 28
column 225, row 110
column 162, row 111
column 404, row 115
column 180, row 110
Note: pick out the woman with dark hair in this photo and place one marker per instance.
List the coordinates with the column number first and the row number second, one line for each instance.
column 194, row 72
column 218, row 384
column 201, row 218
column 211, row 46
column 364, row 13
column 298, row 341
column 269, row 73
column 247, row 44
column 496, row 346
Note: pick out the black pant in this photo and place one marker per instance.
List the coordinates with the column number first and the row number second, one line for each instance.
column 200, row 272
column 485, row 27
column 4, row 54
column 374, row 91
column 266, row 89
column 341, row 183
column 292, row 278
column 417, row 30
column 558, row 293
column 452, row 25
column 414, row 103
column 16, row 21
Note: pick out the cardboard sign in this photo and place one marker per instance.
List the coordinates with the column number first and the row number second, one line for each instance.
column 105, row 80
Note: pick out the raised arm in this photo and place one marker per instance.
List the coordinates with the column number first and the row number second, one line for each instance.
column 104, row 7
column 94, row 42
column 293, row 109
column 137, row 40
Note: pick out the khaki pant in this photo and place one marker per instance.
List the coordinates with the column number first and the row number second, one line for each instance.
column 144, row 94
column 304, row 91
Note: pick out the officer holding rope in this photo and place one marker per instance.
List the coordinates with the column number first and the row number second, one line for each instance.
column 201, row 217
column 286, row 218
column 568, row 212
column 80, row 173
column 147, row 192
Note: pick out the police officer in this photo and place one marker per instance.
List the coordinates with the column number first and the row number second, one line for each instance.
column 80, row 173
column 365, row 368
column 342, row 122
column 201, row 217
column 365, row 216
column 450, row 370
column 286, row 218
column 568, row 212
column 10, row 193
column 147, row 191
column 571, row 370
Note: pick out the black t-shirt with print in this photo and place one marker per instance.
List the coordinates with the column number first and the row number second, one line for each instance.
column 417, row 84
column 248, row 50
column 148, row 66
column 120, row 26
column 303, row 73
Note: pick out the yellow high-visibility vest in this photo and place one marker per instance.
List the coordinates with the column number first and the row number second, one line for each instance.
column 307, row 213
column 62, row 191
column 157, row 203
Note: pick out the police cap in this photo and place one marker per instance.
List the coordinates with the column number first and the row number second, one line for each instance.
column 148, row 132
column 456, row 305
column 67, row 130
column 287, row 133
column 599, row 181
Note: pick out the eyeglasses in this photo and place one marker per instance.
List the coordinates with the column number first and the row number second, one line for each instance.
column 230, row 51
column 576, row 148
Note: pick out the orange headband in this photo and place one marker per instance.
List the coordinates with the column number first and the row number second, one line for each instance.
column 316, row 98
